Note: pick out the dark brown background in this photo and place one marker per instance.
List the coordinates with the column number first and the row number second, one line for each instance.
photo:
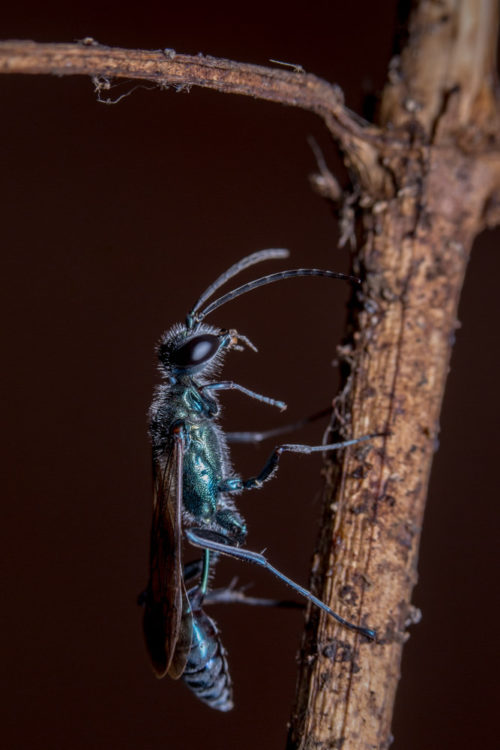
column 114, row 218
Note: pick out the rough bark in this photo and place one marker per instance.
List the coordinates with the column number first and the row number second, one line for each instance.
column 418, row 232
column 426, row 181
column 168, row 69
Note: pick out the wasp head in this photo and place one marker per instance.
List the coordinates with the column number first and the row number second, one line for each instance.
column 183, row 351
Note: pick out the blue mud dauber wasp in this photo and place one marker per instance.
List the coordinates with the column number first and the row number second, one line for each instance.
column 194, row 486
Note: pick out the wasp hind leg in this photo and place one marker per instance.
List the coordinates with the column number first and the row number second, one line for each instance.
column 212, row 541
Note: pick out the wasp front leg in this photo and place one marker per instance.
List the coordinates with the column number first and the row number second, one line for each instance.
column 229, row 385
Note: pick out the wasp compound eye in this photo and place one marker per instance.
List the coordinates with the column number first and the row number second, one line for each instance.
column 195, row 352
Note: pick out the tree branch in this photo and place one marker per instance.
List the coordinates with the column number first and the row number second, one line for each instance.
column 416, row 246
column 167, row 68
column 446, row 73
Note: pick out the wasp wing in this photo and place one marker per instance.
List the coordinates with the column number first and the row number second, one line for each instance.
column 167, row 615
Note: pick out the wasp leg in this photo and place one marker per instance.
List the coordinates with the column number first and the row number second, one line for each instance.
column 232, row 595
column 236, row 484
column 208, row 540
column 192, row 570
column 228, row 385
column 233, row 526
column 259, row 437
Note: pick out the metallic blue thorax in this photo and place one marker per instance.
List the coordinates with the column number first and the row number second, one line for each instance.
column 205, row 449
column 202, row 469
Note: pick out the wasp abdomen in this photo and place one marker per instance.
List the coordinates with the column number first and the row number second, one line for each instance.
column 206, row 672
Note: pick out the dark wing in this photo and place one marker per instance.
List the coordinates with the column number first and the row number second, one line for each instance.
column 167, row 615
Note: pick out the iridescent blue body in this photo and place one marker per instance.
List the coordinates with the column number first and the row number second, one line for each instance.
column 206, row 672
column 194, row 486
column 206, row 463
column 183, row 417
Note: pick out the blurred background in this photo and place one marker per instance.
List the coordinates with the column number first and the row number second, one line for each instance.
column 114, row 219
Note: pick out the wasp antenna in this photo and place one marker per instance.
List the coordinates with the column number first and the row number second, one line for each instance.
column 264, row 280
column 249, row 260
